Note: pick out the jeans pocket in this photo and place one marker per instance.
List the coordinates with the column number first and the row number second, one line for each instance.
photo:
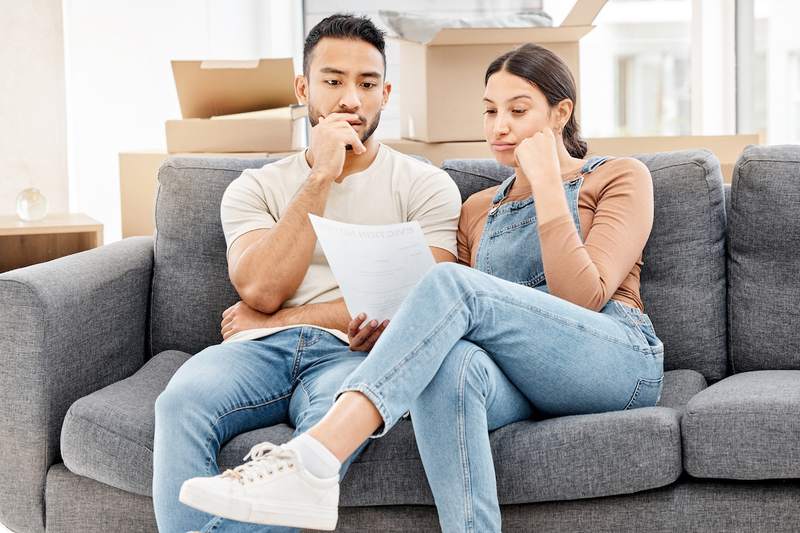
column 646, row 394
column 641, row 328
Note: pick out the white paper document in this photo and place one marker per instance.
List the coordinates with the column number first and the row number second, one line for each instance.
column 375, row 266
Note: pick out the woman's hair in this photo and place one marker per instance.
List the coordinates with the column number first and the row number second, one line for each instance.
column 550, row 74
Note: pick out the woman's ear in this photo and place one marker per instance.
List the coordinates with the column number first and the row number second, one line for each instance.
column 563, row 112
column 301, row 89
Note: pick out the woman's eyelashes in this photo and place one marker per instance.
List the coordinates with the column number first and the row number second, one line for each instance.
column 515, row 111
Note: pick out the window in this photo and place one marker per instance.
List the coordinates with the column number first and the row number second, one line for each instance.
column 635, row 70
column 768, row 63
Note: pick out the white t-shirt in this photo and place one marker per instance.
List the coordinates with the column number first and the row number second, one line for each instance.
column 394, row 188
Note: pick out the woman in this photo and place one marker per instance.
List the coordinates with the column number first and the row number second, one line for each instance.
column 548, row 319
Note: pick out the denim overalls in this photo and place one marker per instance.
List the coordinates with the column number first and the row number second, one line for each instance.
column 511, row 250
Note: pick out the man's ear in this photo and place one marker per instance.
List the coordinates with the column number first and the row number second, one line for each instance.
column 387, row 90
column 301, row 89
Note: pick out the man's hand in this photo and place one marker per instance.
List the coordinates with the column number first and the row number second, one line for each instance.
column 329, row 141
column 241, row 317
column 363, row 339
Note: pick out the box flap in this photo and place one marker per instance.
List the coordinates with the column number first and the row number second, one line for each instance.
column 583, row 13
column 209, row 88
column 290, row 113
column 457, row 36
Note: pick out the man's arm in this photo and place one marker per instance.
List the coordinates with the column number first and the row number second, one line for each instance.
column 267, row 266
column 332, row 315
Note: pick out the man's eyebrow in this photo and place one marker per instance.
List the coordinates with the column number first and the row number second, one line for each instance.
column 331, row 70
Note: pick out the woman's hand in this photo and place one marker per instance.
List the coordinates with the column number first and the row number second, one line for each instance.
column 363, row 339
column 241, row 317
column 537, row 157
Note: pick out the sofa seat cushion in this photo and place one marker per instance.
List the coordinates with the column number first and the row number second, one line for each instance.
column 745, row 427
column 108, row 436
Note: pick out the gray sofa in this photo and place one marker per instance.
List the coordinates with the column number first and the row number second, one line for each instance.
column 87, row 342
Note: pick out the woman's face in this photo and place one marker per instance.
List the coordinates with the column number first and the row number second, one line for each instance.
column 515, row 109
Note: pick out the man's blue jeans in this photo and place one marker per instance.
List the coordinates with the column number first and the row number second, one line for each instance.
column 229, row 389
column 468, row 352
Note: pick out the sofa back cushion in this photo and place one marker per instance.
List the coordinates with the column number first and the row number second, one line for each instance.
column 683, row 278
column 191, row 287
column 764, row 259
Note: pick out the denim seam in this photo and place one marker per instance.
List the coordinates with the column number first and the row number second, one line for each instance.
column 462, row 445
column 638, row 389
column 298, row 354
column 209, row 458
column 574, row 325
column 515, row 225
column 303, row 388
column 634, row 395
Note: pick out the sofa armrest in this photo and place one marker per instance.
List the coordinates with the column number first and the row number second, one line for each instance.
column 68, row 327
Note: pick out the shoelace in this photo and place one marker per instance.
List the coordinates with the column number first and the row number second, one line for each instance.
column 265, row 459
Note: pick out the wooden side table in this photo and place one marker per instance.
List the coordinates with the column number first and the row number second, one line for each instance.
column 27, row 243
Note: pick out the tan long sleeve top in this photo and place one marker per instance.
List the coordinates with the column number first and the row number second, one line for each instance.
column 615, row 208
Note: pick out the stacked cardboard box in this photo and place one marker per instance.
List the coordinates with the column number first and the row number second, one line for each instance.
column 442, row 79
column 229, row 109
column 236, row 106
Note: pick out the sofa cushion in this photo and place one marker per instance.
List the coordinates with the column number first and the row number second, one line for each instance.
column 764, row 263
column 191, row 287
column 746, row 426
column 108, row 436
column 474, row 175
column 683, row 278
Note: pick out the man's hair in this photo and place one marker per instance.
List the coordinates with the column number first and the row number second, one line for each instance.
column 343, row 26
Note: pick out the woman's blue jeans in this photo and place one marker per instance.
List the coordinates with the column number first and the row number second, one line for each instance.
column 468, row 353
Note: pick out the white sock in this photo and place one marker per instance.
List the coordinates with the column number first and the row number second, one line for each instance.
column 315, row 456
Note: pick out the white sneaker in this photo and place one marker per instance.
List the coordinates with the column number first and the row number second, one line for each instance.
column 273, row 488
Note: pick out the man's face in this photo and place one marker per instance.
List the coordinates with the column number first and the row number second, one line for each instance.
column 345, row 76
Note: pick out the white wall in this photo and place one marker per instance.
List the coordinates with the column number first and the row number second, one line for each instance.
column 32, row 108
column 120, row 88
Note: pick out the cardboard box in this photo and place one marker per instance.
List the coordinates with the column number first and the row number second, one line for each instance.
column 727, row 148
column 211, row 90
column 138, row 185
column 442, row 80
column 436, row 153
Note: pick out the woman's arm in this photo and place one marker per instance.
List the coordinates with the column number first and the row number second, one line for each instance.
column 588, row 273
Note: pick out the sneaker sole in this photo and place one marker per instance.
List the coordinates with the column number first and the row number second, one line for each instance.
column 308, row 516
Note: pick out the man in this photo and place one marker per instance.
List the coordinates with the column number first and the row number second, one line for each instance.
column 284, row 352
